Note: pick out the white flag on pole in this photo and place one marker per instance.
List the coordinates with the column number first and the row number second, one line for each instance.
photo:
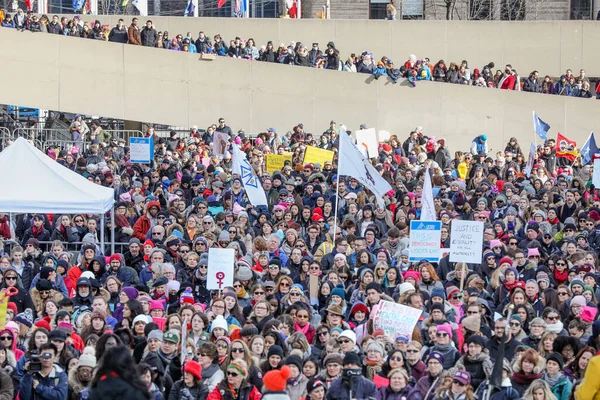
column 252, row 185
column 352, row 163
column 427, row 204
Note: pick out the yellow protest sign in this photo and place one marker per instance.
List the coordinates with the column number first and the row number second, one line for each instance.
column 275, row 162
column 316, row 155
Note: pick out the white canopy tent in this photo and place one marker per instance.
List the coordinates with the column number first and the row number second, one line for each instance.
column 32, row 182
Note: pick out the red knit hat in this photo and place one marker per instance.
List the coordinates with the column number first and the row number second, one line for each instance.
column 193, row 368
column 276, row 380
column 43, row 323
column 148, row 242
column 12, row 306
column 115, row 256
column 505, row 260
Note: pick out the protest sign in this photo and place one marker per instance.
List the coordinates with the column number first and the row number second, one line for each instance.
column 596, row 173
column 466, row 241
column 425, row 237
column 220, row 268
column 141, row 150
column 275, row 162
column 316, row 155
column 395, row 319
column 383, row 136
column 366, row 142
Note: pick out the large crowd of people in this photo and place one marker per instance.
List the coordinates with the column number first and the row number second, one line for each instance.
column 300, row 54
column 82, row 323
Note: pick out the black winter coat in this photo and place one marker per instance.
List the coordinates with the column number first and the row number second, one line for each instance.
column 199, row 392
column 116, row 388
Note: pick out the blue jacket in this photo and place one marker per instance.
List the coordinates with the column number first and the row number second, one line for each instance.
column 52, row 387
column 58, row 284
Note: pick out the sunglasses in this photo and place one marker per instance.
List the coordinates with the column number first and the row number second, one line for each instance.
column 458, row 383
column 284, row 284
column 259, row 293
column 553, row 318
column 237, row 350
column 11, row 278
column 441, row 334
column 515, row 324
column 343, row 341
column 3, row 338
column 563, row 293
column 230, row 373
column 411, row 351
column 324, row 333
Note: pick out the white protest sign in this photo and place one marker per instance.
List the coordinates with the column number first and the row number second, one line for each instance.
column 466, row 241
column 395, row 319
column 141, row 150
column 425, row 239
column 384, row 136
column 596, row 174
column 366, row 142
column 220, row 268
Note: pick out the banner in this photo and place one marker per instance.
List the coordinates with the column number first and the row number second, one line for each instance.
column 466, row 241
column 366, row 142
column 314, row 155
column 588, row 149
column 425, row 238
column 252, row 186
column 352, row 163
column 540, row 127
column 220, row 268
column 395, row 319
column 275, row 162
column 427, row 205
column 531, row 159
column 566, row 147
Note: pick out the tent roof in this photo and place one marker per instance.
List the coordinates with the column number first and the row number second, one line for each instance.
column 32, row 182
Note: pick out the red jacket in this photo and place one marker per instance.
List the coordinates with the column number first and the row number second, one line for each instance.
column 222, row 392
column 509, row 83
column 143, row 225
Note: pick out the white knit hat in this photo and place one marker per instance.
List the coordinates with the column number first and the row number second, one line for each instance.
column 88, row 358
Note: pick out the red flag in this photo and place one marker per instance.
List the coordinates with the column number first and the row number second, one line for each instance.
column 566, row 148
column 29, row 5
column 221, row 3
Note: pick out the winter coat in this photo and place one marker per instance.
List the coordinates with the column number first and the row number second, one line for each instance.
column 480, row 367
column 72, row 235
column 246, row 392
column 212, row 376
column 297, row 390
column 118, row 35
column 408, row 392
column 149, row 37
column 114, row 387
column 40, row 304
column 562, row 389
column 590, row 387
column 52, row 387
column 362, row 388
column 180, row 391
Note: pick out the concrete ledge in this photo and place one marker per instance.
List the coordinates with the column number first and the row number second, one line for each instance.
column 130, row 82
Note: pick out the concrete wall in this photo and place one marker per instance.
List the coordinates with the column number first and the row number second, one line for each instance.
column 549, row 47
column 130, row 82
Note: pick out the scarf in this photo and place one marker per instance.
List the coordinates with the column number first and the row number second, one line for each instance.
column 555, row 328
column 233, row 391
column 553, row 221
column 121, row 221
column 241, row 293
column 552, row 381
column 561, row 277
column 63, row 231
column 525, row 379
column 511, row 285
column 304, row 330
column 37, row 231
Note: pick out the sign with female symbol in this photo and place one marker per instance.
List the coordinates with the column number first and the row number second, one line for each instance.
column 220, row 268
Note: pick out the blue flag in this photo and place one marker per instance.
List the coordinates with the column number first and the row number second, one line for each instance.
column 541, row 128
column 189, row 10
column 589, row 149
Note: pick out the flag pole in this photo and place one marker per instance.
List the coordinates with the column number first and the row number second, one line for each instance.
column 534, row 131
column 337, row 186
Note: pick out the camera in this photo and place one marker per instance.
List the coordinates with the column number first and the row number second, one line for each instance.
column 35, row 365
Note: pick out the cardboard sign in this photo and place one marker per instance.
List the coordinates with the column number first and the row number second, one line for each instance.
column 425, row 238
column 395, row 319
column 313, row 285
column 220, row 143
column 220, row 268
column 466, row 241
column 141, row 150
column 275, row 162
column 314, row 155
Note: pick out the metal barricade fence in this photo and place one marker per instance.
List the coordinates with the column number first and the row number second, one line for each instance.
column 46, row 138
column 73, row 248
column 125, row 134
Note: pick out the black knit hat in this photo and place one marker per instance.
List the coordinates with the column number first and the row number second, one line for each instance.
column 374, row 285
column 275, row 350
column 352, row 358
column 249, row 330
column 557, row 358
column 43, row 284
